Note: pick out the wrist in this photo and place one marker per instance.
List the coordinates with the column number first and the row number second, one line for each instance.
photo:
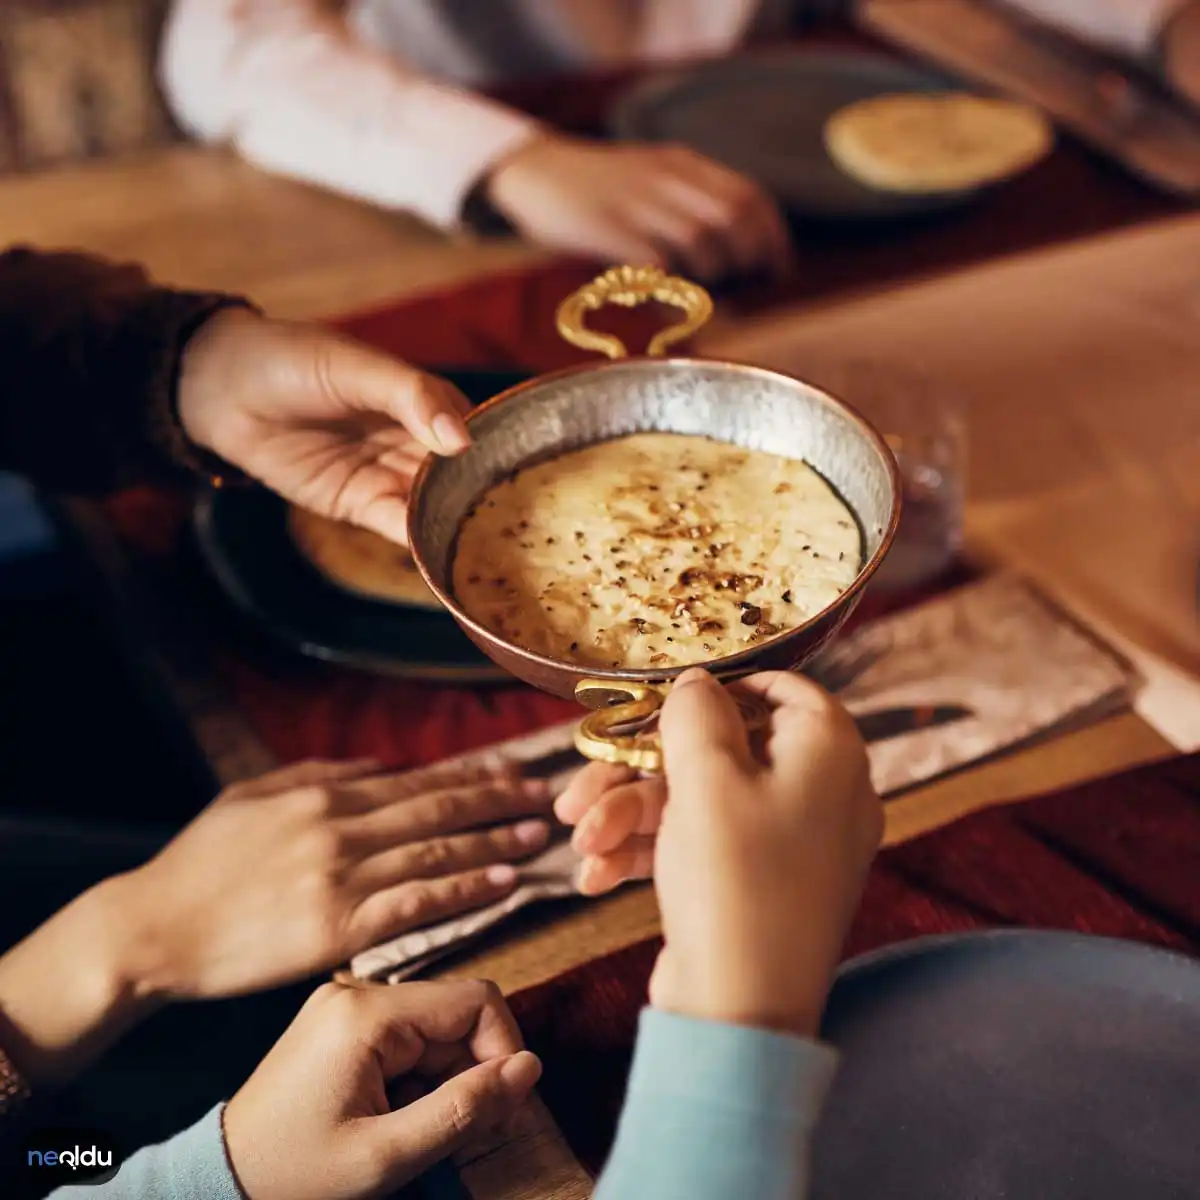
column 506, row 175
column 740, row 997
column 73, row 987
column 208, row 376
column 109, row 949
column 482, row 211
column 802, row 1020
column 133, row 951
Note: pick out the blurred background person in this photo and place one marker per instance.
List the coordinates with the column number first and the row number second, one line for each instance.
column 381, row 101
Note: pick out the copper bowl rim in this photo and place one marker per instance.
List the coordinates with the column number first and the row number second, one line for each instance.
column 741, row 663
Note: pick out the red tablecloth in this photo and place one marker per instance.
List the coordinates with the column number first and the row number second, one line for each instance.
column 1119, row 857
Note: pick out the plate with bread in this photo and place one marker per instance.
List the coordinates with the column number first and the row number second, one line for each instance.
column 840, row 135
column 332, row 591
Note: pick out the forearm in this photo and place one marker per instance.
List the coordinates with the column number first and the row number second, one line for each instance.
column 292, row 88
column 73, row 987
column 89, row 355
column 716, row 1112
column 191, row 1166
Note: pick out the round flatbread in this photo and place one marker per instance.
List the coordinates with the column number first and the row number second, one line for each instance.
column 359, row 561
column 929, row 142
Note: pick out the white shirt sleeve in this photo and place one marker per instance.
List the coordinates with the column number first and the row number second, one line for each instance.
column 292, row 89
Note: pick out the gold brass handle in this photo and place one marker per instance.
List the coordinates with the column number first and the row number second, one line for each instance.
column 629, row 287
column 597, row 737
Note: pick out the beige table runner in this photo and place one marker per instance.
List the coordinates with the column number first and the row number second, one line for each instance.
column 1079, row 369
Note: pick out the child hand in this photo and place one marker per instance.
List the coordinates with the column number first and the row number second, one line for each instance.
column 758, row 866
column 315, row 1121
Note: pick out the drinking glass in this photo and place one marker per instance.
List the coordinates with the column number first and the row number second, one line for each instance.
column 925, row 426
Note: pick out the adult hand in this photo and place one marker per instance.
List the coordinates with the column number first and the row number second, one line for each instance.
column 758, row 864
column 664, row 205
column 328, row 423
column 314, row 1121
column 296, row 871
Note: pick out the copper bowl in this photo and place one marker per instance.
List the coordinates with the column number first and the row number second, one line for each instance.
column 731, row 402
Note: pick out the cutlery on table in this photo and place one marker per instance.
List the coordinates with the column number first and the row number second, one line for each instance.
column 887, row 723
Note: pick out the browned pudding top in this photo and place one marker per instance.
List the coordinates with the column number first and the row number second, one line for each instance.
column 654, row 550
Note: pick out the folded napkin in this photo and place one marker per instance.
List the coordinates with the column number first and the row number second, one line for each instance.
column 940, row 685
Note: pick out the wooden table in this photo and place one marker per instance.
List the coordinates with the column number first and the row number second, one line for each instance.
column 198, row 218
column 201, row 218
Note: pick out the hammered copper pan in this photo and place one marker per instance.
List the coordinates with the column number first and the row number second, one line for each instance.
column 731, row 402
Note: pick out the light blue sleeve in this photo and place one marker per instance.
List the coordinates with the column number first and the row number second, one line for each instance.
column 190, row 1166
column 712, row 1112
column 716, row 1112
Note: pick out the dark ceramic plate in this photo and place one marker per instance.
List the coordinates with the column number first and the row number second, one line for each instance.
column 244, row 540
column 1013, row 1066
column 764, row 115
